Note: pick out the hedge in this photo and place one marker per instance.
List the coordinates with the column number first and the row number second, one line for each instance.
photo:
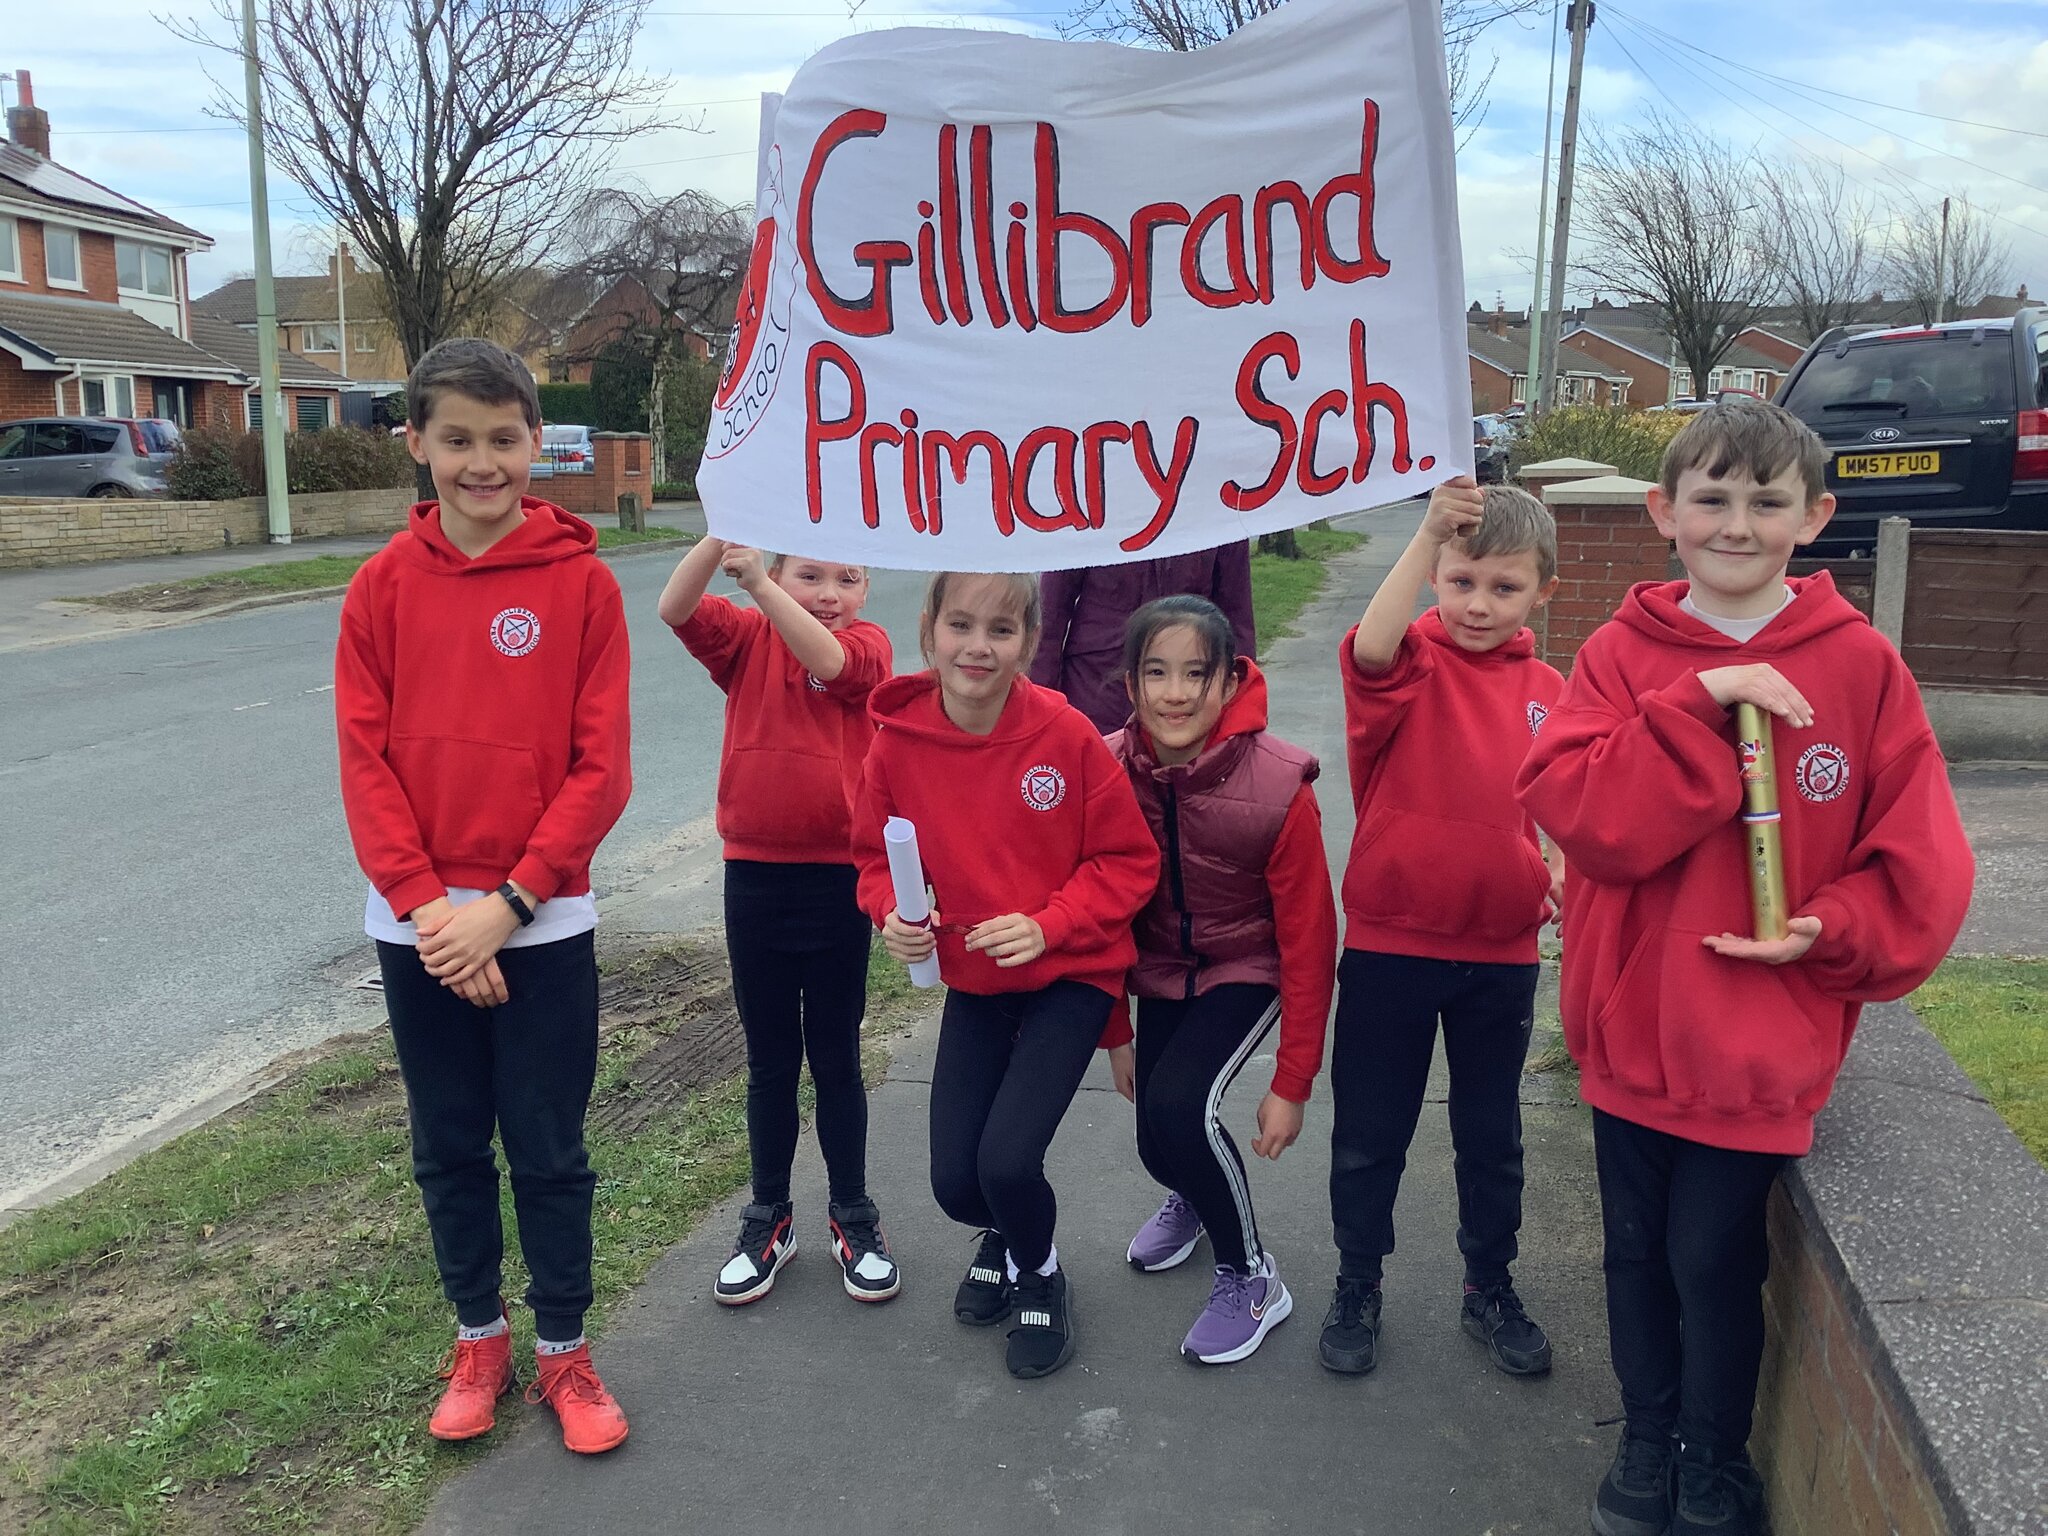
column 214, row 464
column 1632, row 441
column 567, row 404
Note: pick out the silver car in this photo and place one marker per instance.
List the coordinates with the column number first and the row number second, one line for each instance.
column 85, row 456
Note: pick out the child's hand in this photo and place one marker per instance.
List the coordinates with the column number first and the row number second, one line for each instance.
column 1762, row 685
column 1012, row 939
column 1803, row 931
column 744, row 565
column 1123, row 1070
column 1455, row 508
column 432, row 917
column 1557, row 896
column 465, row 944
column 905, row 943
column 486, row 989
column 1279, row 1124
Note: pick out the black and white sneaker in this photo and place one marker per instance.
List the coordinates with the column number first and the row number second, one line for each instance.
column 984, row 1296
column 767, row 1241
column 1043, row 1339
column 870, row 1274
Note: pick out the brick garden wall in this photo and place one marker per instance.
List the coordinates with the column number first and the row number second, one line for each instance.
column 71, row 531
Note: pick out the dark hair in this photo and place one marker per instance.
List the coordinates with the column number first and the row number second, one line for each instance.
column 1023, row 593
column 471, row 366
column 1213, row 633
column 1754, row 436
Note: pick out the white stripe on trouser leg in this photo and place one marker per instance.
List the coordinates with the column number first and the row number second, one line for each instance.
column 1212, row 1125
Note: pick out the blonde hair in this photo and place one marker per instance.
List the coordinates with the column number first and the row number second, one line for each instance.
column 1021, row 594
column 776, row 562
column 1512, row 522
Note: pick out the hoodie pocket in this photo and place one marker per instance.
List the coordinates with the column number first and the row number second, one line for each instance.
column 476, row 802
column 1733, row 1036
column 1441, row 875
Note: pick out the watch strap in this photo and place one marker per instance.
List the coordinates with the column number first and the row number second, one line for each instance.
column 519, row 907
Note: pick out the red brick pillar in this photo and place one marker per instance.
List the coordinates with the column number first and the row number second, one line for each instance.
column 622, row 465
column 1606, row 543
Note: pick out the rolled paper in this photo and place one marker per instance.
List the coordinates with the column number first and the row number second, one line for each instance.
column 906, row 871
column 1761, row 844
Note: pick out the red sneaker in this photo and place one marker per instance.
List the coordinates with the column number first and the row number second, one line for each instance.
column 592, row 1420
column 478, row 1373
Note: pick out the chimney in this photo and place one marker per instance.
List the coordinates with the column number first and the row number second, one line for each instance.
column 2022, row 294
column 28, row 125
column 1499, row 324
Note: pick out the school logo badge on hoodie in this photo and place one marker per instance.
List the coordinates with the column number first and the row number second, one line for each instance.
column 1538, row 713
column 1044, row 787
column 515, row 631
column 1823, row 772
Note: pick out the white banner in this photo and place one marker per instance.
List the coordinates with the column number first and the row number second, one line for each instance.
column 1024, row 305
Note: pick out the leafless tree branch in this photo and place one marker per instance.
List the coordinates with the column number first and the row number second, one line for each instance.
column 1824, row 241
column 1979, row 261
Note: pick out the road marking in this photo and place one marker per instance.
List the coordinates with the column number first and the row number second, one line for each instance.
column 240, row 707
column 323, row 688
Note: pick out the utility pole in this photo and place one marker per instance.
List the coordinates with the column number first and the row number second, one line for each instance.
column 341, row 300
column 1941, row 270
column 1536, row 326
column 276, row 492
column 1578, row 23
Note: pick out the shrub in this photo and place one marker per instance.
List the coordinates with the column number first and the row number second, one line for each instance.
column 1632, row 441
column 216, row 464
column 568, row 404
column 205, row 468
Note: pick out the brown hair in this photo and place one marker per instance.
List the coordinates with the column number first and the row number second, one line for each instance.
column 469, row 365
column 1022, row 595
column 1512, row 522
column 1759, row 439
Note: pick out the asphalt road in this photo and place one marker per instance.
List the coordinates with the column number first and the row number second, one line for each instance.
column 187, row 905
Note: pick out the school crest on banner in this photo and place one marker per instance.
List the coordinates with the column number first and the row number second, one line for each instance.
column 1016, row 304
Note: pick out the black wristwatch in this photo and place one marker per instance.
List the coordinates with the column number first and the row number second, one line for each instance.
column 519, row 908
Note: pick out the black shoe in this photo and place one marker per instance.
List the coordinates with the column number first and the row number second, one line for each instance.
column 1351, row 1328
column 767, row 1241
column 1043, row 1339
column 984, row 1296
column 868, row 1271
column 1495, row 1317
column 1635, row 1495
column 1717, row 1497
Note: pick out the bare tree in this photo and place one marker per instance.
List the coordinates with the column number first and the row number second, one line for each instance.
column 1185, row 25
column 1825, row 240
column 662, row 269
column 1979, row 262
column 1676, row 221
column 444, row 137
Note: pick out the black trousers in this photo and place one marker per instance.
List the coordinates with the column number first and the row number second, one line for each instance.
column 1189, row 1051
column 524, row 1069
column 1686, row 1259
column 1008, row 1066
column 798, row 942
column 1388, row 1007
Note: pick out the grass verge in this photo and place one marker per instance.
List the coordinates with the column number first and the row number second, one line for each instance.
column 1992, row 1015
column 238, row 1332
column 1282, row 588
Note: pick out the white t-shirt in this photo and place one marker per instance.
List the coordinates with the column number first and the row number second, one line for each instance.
column 562, row 918
column 1741, row 631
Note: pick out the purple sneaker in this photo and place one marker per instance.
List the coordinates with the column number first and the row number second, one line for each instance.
column 1168, row 1238
column 1242, row 1310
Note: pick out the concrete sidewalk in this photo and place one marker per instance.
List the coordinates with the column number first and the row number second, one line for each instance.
column 810, row 1411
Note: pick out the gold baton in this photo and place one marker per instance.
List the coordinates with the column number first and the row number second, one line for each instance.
column 1761, row 844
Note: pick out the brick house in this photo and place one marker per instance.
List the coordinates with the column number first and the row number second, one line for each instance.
column 312, row 394
column 626, row 307
column 95, row 315
column 1636, row 342
column 1497, row 348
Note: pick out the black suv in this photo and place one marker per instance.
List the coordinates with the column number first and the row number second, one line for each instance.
column 1946, row 425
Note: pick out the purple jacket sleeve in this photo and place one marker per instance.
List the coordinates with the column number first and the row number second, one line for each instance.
column 1232, row 592
column 1058, row 592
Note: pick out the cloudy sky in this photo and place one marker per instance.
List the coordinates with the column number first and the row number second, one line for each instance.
column 1912, row 99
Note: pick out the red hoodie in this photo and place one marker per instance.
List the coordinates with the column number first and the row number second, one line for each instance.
column 1443, row 863
column 481, row 707
column 790, row 766
column 1035, row 817
column 1636, row 777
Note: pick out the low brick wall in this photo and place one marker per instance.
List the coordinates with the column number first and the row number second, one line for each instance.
column 1905, row 1385
column 72, row 531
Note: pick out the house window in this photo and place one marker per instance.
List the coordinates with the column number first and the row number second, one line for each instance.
column 1745, row 379
column 10, row 250
column 319, row 338
column 60, row 257
column 365, row 342
column 107, row 395
column 1518, row 392
column 143, row 269
column 310, row 412
column 1615, row 392
column 254, row 401
column 1681, row 384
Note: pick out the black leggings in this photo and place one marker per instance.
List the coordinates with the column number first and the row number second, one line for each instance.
column 1686, row 1260
column 799, row 949
column 1007, row 1068
column 524, row 1068
column 1189, row 1050
column 1388, row 1007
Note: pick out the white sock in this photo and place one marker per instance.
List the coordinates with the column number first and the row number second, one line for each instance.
column 490, row 1330
column 546, row 1347
column 1052, row 1262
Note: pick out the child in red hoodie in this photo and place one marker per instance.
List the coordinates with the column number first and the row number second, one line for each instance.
column 1705, row 1054
column 1038, row 859
column 797, row 669
column 1444, row 892
column 1240, row 932
column 481, row 703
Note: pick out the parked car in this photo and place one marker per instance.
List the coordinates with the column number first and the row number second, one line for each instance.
column 1682, row 407
column 85, row 456
column 569, row 449
column 1946, row 425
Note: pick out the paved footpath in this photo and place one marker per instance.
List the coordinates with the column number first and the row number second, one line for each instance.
column 809, row 1411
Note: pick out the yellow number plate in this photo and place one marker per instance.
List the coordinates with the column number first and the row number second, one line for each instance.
column 1876, row 466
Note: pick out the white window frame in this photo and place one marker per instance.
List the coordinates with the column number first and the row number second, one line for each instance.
column 298, row 405
column 365, row 342
column 112, row 387
column 306, row 342
column 252, row 409
column 143, row 251
column 50, row 231
column 10, row 249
